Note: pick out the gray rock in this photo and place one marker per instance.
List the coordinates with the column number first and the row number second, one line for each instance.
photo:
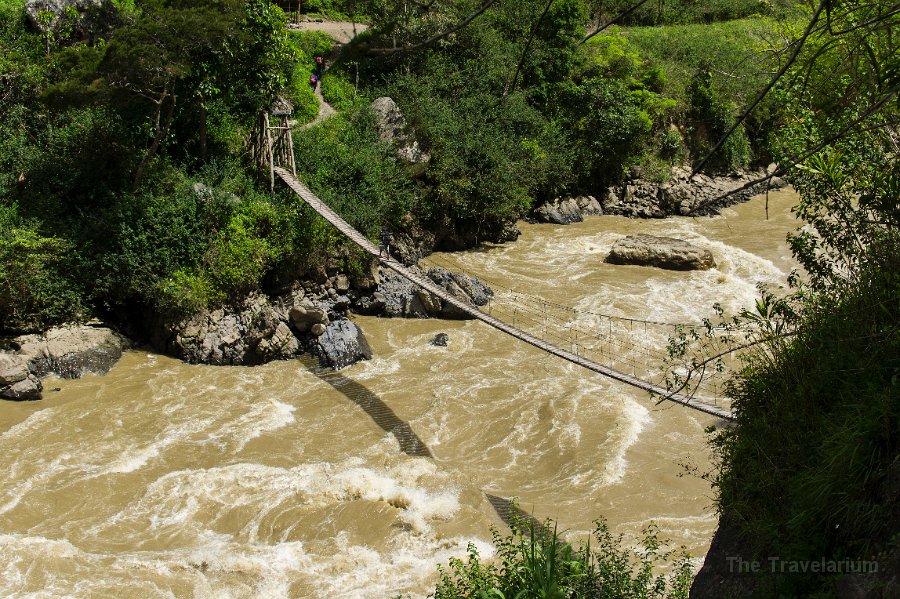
column 589, row 206
column 682, row 195
column 13, row 369
column 16, row 381
column 341, row 344
column 341, row 283
column 305, row 316
column 370, row 304
column 72, row 351
column 28, row 389
column 431, row 304
column 93, row 15
column 662, row 252
column 560, row 212
column 341, row 303
column 403, row 299
column 463, row 287
column 253, row 333
column 392, row 128
column 509, row 232
column 441, row 340
column 368, row 279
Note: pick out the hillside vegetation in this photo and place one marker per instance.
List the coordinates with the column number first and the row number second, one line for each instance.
column 125, row 186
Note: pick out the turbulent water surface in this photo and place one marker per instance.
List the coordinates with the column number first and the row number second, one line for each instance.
column 164, row 479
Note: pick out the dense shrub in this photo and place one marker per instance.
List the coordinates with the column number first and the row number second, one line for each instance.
column 33, row 293
column 339, row 92
column 343, row 161
column 536, row 563
column 710, row 119
column 826, row 484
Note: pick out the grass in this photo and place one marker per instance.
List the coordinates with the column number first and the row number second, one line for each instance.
column 733, row 50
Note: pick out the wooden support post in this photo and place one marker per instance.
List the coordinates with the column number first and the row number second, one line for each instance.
column 268, row 141
column 290, row 141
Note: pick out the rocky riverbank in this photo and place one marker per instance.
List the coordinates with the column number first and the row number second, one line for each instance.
column 681, row 195
column 312, row 317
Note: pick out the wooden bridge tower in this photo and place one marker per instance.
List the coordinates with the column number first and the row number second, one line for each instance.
column 272, row 144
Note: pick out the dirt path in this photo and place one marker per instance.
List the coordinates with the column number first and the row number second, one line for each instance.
column 341, row 32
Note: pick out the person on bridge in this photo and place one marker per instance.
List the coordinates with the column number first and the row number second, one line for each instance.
column 386, row 239
column 313, row 82
column 320, row 67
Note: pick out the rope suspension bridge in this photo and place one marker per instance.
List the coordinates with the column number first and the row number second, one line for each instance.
column 547, row 326
column 580, row 352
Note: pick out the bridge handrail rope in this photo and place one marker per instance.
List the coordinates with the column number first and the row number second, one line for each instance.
column 568, row 326
column 359, row 239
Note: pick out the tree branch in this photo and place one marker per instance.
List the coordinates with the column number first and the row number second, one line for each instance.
column 740, row 120
column 797, row 159
column 512, row 86
column 614, row 20
column 434, row 38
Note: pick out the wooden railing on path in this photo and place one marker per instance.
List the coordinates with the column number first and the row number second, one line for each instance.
column 425, row 283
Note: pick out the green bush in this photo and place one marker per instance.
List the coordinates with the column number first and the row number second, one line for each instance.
column 610, row 127
column 311, row 44
column 343, row 161
column 33, row 293
column 729, row 49
column 186, row 293
column 810, row 469
column 708, row 11
column 710, row 118
column 536, row 563
column 306, row 104
column 339, row 92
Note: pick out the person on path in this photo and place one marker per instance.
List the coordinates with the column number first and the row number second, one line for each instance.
column 313, row 82
column 320, row 67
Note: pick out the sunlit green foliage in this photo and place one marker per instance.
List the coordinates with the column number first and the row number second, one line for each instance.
column 537, row 563
column 32, row 291
column 356, row 174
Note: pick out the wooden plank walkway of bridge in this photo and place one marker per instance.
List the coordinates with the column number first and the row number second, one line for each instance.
column 359, row 239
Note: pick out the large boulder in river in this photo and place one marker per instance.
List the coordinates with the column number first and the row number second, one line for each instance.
column 398, row 297
column 565, row 211
column 252, row 333
column 340, row 343
column 392, row 128
column 72, row 351
column 662, row 252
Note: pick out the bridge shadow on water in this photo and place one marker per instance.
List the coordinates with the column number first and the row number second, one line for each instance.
column 516, row 518
column 371, row 404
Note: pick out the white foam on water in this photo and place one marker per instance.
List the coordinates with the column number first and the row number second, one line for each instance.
column 418, row 507
column 31, row 424
column 377, row 367
column 45, row 470
column 358, row 572
column 263, row 417
column 635, row 419
column 195, row 497
column 121, row 458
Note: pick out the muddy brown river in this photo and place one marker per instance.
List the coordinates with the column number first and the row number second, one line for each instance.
column 163, row 479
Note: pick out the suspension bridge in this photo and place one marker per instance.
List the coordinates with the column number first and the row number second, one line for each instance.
column 576, row 355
